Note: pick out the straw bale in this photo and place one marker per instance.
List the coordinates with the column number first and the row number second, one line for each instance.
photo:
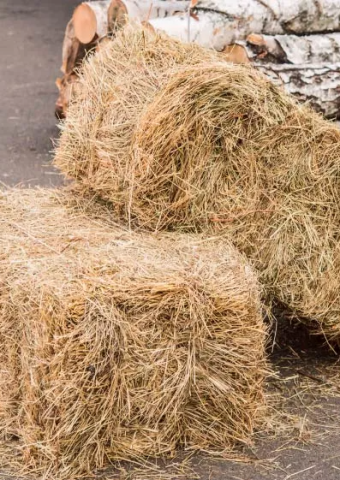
column 114, row 88
column 231, row 152
column 255, row 164
column 123, row 344
column 175, row 139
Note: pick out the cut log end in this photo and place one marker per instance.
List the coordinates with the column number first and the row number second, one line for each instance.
column 117, row 15
column 235, row 54
column 256, row 39
column 147, row 25
column 85, row 23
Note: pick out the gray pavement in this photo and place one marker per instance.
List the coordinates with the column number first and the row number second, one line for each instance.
column 31, row 32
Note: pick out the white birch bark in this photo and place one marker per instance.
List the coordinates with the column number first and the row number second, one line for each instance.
column 315, row 84
column 209, row 30
column 273, row 17
column 294, row 49
column 219, row 23
column 144, row 10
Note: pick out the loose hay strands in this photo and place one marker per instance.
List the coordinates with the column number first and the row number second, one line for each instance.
column 121, row 345
column 232, row 152
column 114, row 88
column 175, row 139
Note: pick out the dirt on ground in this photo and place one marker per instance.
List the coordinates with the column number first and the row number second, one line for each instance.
column 303, row 442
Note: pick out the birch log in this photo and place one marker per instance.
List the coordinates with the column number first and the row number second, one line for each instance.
column 143, row 10
column 273, row 17
column 90, row 20
column 208, row 29
column 315, row 49
column 315, row 84
column 73, row 51
column 68, row 45
column 219, row 23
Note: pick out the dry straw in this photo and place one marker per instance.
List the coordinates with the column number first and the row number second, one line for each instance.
column 114, row 89
column 121, row 345
column 174, row 139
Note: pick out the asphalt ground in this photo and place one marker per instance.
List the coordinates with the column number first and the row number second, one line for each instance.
column 31, row 33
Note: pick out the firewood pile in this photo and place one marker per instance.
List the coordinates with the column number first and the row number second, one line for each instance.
column 295, row 43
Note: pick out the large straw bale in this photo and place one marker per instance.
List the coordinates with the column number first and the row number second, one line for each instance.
column 230, row 152
column 175, row 139
column 116, row 85
column 123, row 344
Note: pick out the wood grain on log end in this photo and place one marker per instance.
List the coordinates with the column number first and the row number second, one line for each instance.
column 256, row 39
column 148, row 26
column 235, row 54
column 116, row 15
column 85, row 23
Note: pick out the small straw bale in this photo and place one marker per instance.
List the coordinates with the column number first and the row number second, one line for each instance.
column 122, row 345
column 174, row 138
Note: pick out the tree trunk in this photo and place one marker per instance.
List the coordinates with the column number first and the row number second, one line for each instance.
column 272, row 17
column 142, row 10
column 73, row 51
column 67, row 46
column 90, row 20
column 219, row 23
column 315, row 84
column 315, row 49
column 88, row 24
column 208, row 29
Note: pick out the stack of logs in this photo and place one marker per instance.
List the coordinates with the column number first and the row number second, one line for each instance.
column 294, row 42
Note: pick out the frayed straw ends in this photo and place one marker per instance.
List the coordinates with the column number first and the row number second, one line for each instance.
column 173, row 139
column 115, row 87
column 228, row 151
column 123, row 345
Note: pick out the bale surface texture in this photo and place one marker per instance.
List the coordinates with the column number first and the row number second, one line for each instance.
column 121, row 345
column 175, row 139
column 115, row 87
